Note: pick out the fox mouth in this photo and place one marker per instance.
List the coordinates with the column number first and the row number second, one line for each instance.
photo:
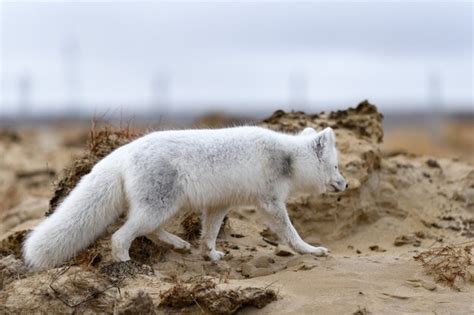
column 334, row 188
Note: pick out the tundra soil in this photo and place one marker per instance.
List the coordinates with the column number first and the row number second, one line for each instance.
column 398, row 205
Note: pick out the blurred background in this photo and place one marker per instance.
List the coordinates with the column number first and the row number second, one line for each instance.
column 64, row 62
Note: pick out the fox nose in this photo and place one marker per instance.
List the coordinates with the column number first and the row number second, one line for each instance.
column 342, row 184
column 347, row 185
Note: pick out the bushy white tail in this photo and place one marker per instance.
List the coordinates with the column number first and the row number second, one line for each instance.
column 94, row 203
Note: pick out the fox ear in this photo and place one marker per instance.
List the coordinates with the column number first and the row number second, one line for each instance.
column 308, row 131
column 324, row 139
column 328, row 136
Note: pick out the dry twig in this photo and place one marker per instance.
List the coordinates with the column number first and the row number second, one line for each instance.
column 449, row 264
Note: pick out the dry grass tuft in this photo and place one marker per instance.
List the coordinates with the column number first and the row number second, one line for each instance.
column 146, row 252
column 449, row 264
column 12, row 245
column 191, row 225
column 90, row 257
column 204, row 294
column 101, row 142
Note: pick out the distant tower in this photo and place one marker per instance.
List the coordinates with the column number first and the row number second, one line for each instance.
column 24, row 95
column 435, row 104
column 298, row 91
column 160, row 101
column 71, row 59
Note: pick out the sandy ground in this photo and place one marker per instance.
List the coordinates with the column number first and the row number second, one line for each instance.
column 454, row 139
column 398, row 205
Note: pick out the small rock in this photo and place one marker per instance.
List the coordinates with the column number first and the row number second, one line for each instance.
column 420, row 234
column 263, row 261
column 377, row 248
column 407, row 239
column 268, row 235
column 251, row 271
column 414, row 284
column 457, row 196
column 305, row 266
column 428, row 285
column 282, row 252
column 433, row 163
column 248, row 269
column 436, row 225
column 270, row 242
column 228, row 257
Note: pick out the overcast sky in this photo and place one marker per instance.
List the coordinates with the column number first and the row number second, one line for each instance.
column 239, row 56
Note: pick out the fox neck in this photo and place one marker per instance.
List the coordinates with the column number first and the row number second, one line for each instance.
column 307, row 176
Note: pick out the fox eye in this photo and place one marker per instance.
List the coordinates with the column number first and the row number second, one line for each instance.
column 335, row 167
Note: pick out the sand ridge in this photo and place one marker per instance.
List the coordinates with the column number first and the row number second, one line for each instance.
column 398, row 205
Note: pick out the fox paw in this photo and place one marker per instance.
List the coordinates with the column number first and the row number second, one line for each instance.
column 320, row 251
column 182, row 246
column 215, row 255
column 317, row 251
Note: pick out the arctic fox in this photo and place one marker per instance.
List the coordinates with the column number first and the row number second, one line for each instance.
column 209, row 170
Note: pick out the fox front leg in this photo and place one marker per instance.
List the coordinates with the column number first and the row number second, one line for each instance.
column 277, row 215
column 211, row 223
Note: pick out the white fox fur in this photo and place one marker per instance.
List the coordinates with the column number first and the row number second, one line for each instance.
column 210, row 170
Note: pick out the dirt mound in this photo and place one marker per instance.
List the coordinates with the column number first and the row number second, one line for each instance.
column 358, row 132
column 364, row 121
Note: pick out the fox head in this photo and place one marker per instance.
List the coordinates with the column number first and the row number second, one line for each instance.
column 321, row 161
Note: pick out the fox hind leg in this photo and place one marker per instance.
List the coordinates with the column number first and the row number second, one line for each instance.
column 154, row 196
column 141, row 221
column 161, row 235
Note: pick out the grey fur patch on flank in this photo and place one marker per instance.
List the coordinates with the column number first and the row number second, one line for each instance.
column 161, row 184
column 282, row 162
column 158, row 186
column 287, row 165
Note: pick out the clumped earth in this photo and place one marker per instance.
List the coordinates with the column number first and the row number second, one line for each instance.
column 399, row 206
column 203, row 294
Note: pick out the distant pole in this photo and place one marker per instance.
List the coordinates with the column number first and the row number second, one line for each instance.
column 435, row 104
column 24, row 95
column 298, row 91
column 71, row 58
column 160, row 101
